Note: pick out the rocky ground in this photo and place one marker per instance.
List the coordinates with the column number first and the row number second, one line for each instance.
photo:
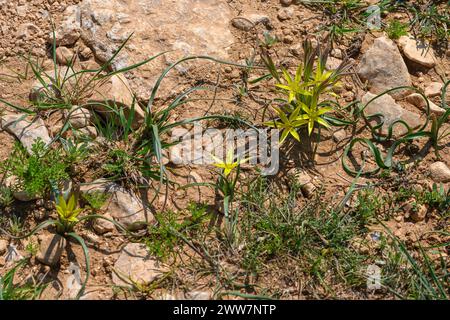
column 197, row 264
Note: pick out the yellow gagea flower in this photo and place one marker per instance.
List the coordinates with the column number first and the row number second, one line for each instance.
column 67, row 211
column 229, row 164
column 287, row 125
column 312, row 115
column 294, row 86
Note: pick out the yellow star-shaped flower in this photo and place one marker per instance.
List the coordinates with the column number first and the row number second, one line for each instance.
column 229, row 164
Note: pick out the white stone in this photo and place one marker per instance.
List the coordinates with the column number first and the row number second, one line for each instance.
column 135, row 265
column 383, row 68
column 417, row 51
column 24, row 129
column 433, row 89
column 69, row 30
column 123, row 205
column 79, row 117
column 418, row 100
column 184, row 27
column 51, row 248
column 440, row 172
column 392, row 111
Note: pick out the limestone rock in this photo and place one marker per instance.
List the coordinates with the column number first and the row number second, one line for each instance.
column 419, row 214
column 304, row 180
column 3, row 246
column 382, row 66
column 102, row 226
column 89, row 131
column 115, row 93
column 122, row 205
column 433, row 89
column 247, row 22
column 197, row 295
column 21, row 195
column 135, row 265
column 64, row 55
column 79, row 117
column 440, row 172
column 27, row 131
column 417, row 51
column 51, row 249
column 339, row 135
column 392, row 112
column 417, row 100
column 184, row 27
column 69, row 31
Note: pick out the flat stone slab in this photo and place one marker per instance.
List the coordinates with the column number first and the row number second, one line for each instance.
column 391, row 111
column 188, row 27
column 135, row 265
column 25, row 129
column 417, row 51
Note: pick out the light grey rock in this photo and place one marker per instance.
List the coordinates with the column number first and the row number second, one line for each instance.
column 89, row 131
column 248, row 21
column 135, row 265
column 115, row 93
column 123, row 205
column 383, row 68
column 64, row 56
column 69, row 30
column 304, row 180
column 79, row 117
column 285, row 13
column 433, row 89
column 102, row 226
column 440, row 172
column 392, row 112
column 417, row 100
column 184, row 27
column 24, row 129
column 51, row 248
column 417, row 51
column 3, row 246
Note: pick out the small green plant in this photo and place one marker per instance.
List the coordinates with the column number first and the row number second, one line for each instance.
column 431, row 20
column 32, row 248
column 436, row 198
column 95, row 199
column 304, row 104
column 396, row 29
column 6, row 197
column 341, row 17
column 68, row 213
column 268, row 40
column 162, row 240
column 15, row 224
column 36, row 173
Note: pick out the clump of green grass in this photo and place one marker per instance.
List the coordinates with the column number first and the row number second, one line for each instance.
column 6, row 197
column 396, row 29
column 11, row 290
column 162, row 240
column 275, row 228
column 431, row 20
